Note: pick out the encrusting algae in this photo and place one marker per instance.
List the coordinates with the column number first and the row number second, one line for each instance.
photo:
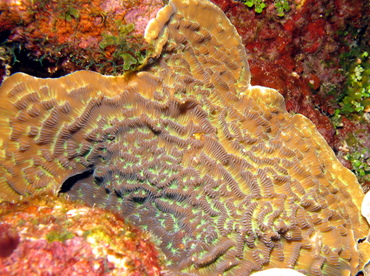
column 226, row 180
column 71, row 238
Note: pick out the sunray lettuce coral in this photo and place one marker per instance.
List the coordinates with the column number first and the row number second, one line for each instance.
column 223, row 177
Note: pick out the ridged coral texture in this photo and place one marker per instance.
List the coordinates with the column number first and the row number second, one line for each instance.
column 225, row 179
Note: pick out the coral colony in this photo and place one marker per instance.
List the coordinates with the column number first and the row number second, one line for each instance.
column 225, row 179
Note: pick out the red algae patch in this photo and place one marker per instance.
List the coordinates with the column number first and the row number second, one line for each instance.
column 47, row 235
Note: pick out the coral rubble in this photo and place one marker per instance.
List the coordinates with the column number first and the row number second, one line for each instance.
column 225, row 179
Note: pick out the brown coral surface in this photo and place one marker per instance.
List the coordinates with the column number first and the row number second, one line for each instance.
column 225, row 179
column 305, row 55
column 299, row 53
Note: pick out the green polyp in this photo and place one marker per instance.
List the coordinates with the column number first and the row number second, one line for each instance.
column 162, row 221
column 174, row 250
column 169, row 245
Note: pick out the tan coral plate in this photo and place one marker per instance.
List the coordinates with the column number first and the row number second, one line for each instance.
column 227, row 181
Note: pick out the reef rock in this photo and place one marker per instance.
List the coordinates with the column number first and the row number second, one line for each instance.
column 48, row 235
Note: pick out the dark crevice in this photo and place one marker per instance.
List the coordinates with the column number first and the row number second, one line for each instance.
column 361, row 240
column 71, row 181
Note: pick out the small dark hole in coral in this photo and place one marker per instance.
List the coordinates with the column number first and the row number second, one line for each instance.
column 139, row 200
column 118, row 193
column 360, row 273
column 70, row 182
column 9, row 240
column 361, row 240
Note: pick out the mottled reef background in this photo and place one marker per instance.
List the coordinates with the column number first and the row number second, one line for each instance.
column 313, row 52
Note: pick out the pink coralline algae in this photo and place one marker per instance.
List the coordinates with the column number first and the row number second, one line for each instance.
column 140, row 15
column 72, row 257
column 47, row 235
